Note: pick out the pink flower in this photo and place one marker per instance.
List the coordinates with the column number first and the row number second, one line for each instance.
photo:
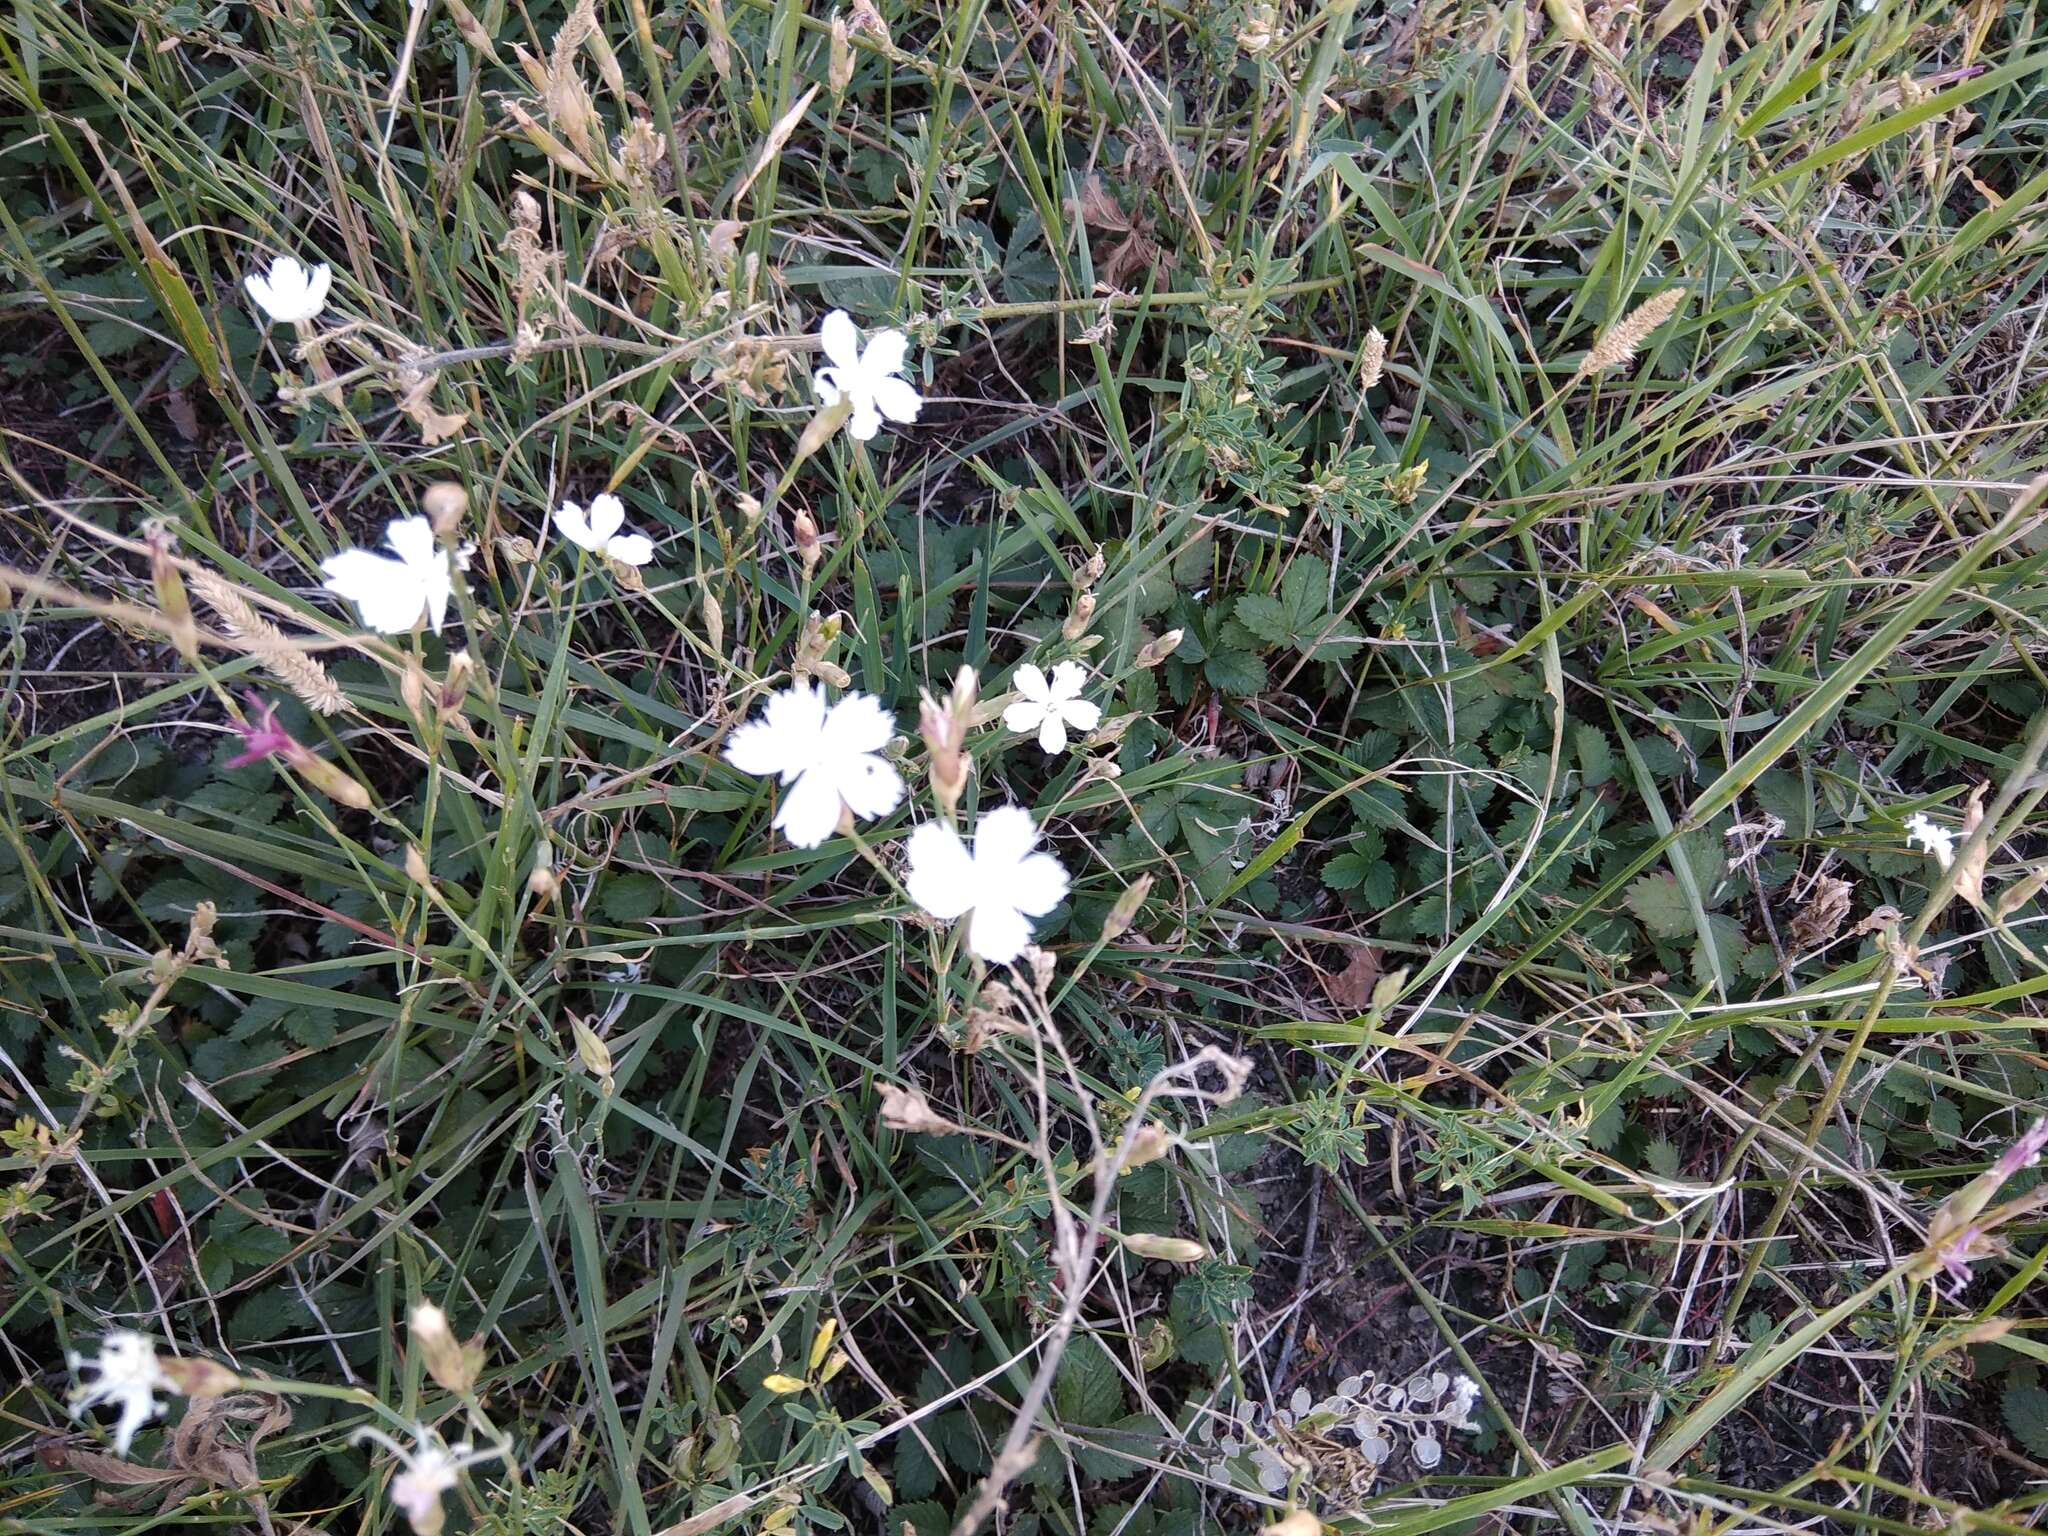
column 262, row 737
column 1955, row 1255
column 2023, row 1153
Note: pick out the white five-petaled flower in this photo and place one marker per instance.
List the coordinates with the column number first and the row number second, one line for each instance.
column 1049, row 706
column 129, row 1375
column 429, row 1470
column 829, row 756
column 1939, row 841
column 391, row 594
column 292, row 292
column 870, row 380
column 598, row 530
column 1003, row 882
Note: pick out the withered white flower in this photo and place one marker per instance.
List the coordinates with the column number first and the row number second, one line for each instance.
column 292, row 292
column 1003, row 883
column 598, row 530
column 392, row 593
column 870, row 380
column 428, row 1470
column 1937, row 840
column 828, row 755
column 128, row 1374
column 1049, row 706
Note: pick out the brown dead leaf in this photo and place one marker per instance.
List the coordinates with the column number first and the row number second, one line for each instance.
column 1820, row 918
column 1134, row 250
column 436, row 426
column 1351, row 988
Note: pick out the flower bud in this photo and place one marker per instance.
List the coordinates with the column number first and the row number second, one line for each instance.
column 1158, row 650
column 1149, row 1143
column 595, row 1055
column 1082, row 616
column 330, row 779
column 416, row 867
column 1297, row 1522
column 714, row 623
column 809, row 547
column 455, row 686
column 170, row 592
column 1125, row 912
column 1175, row 1250
column 821, row 1341
column 834, row 1364
column 447, row 1361
column 445, row 502
column 783, row 1386
column 816, row 435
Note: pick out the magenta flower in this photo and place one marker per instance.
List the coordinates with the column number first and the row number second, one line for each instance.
column 262, row 737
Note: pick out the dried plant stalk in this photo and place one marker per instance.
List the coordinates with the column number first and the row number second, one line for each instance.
column 268, row 644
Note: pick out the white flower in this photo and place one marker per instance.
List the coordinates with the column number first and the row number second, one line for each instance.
column 1050, row 706
column 128, row 1375
column 1464, row 1398
column 430, row 1470
column 599, row 533
column 871, row 380
column 1938, row 841
column 292, row 293
column 390, row 593
column 829, row 757
column 1002, row 882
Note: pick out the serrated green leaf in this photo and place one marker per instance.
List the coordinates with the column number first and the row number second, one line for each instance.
column 1238, row 673
column 1659, row 903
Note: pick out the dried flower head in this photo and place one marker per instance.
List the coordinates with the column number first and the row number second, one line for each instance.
column 1618, row 346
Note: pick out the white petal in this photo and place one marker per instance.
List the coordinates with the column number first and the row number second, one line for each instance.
column 809, row 812
column 1002, row 838
column 607, row 515
column 857, row 723
column 387, row 593
column 869, row 785
column 1039, row 885
column 884, row 354
column 631, row 549
column 436, row 588
column 785, row 739
column 997, row 933
column 866, row 421
column 896, row 399
column 1024, row 715
column 413, row 538
column 1030, row 681
column 841, row 341
column 825, row 382
column 316, row 291
column 575, row 527
column 259, row 290
column 1068, row 679
column 1052, row 735
column 1082, row 715
column 940, row 877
